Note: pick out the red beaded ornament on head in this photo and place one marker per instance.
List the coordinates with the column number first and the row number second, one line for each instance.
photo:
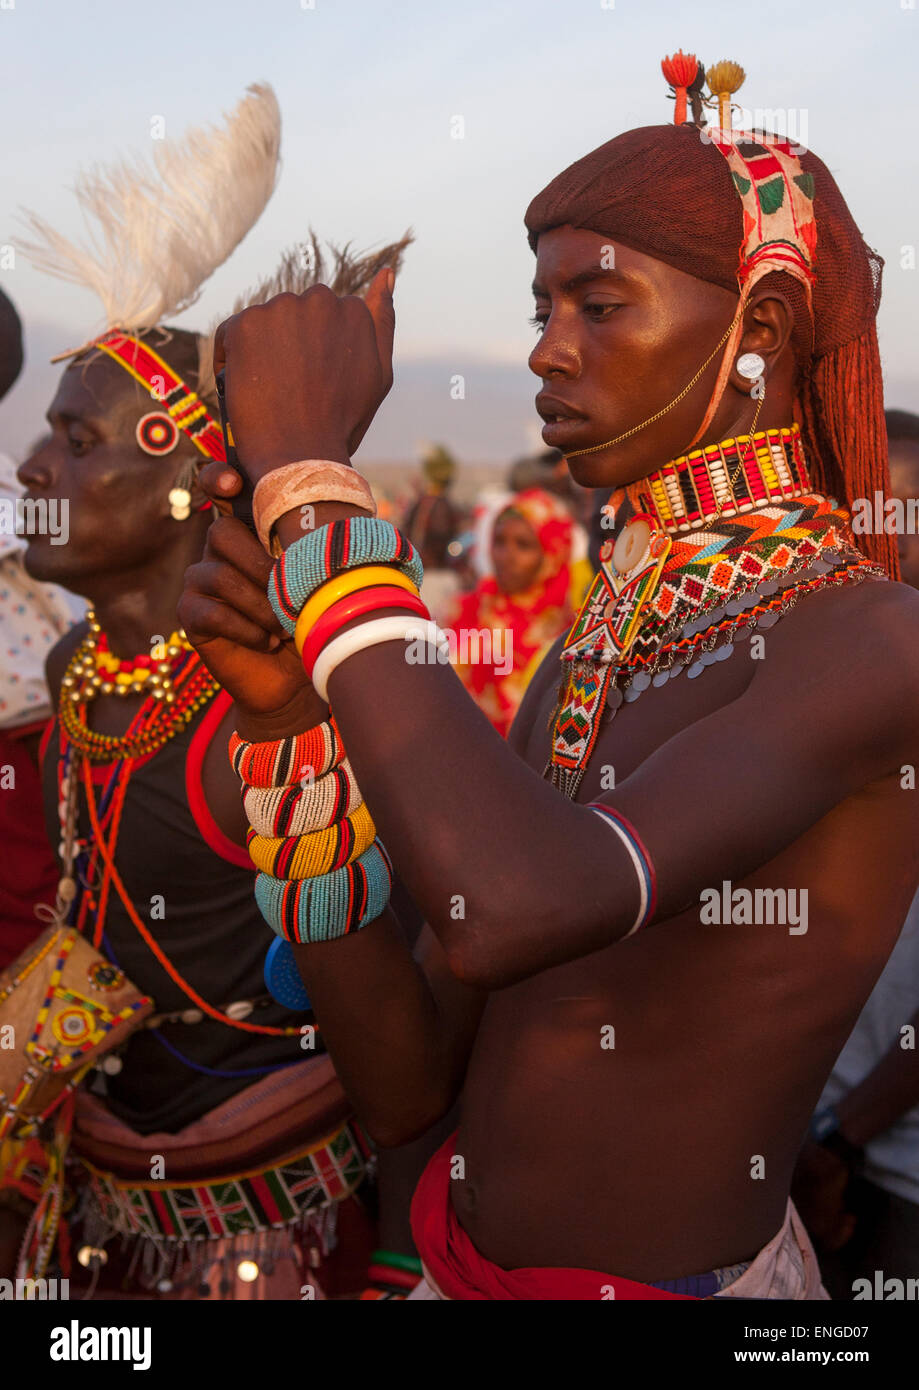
column 180, row 408
column 686, row 75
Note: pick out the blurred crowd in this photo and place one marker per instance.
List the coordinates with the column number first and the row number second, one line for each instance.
column 506, row 575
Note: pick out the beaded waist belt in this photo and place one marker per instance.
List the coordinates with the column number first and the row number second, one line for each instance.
column 266, row 1198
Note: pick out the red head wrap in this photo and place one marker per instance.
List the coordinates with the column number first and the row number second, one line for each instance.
column 668, row 192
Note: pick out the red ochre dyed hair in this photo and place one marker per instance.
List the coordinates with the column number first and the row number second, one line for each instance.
column 665, row 191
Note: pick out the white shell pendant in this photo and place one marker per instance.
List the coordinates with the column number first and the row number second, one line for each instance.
column 631, row 544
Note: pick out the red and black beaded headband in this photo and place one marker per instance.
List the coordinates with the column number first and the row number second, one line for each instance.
column 180, row 407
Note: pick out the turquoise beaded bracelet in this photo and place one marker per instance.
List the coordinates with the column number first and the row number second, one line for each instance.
column 328, row 551
column 328, row 906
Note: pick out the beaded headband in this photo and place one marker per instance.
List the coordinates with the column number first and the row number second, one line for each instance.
column 179, row 405
column 776, row 195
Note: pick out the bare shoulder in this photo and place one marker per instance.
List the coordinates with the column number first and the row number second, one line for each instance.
column 853, row 648
column 876, row 621
column 59, row 656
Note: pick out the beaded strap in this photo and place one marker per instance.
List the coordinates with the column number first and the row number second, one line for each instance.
column 296, row 810
column 310, row 910
column 326, row 552
column 281, row 762
column 319, row 852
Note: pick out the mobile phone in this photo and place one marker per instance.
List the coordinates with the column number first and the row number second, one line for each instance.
column 242, row 502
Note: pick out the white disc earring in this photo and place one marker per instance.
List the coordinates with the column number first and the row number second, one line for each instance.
column 180, row 494
column 751, row 366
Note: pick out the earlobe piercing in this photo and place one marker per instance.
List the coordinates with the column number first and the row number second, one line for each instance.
column 180, row 495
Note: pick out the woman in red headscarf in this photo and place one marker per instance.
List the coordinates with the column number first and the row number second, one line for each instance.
column 524, row 606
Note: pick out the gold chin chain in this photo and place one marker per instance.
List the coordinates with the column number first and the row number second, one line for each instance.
column 595, row 448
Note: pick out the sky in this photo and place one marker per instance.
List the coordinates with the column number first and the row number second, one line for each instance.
column 369, row 95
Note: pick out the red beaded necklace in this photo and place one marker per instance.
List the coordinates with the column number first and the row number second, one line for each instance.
column 193, row 687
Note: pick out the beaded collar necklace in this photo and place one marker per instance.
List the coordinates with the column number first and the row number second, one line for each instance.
column 730, row 478
column 724, row 539
column 176, row 687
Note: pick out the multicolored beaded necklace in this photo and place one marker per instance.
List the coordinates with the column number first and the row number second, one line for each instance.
column 702, row 561
column 178, row 687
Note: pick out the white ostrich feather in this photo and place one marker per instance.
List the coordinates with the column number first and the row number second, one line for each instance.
column 157, row 234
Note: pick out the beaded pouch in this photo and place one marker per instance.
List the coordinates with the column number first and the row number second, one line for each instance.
column 62, row 1006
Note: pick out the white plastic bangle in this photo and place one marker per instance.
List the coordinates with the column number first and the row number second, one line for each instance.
column 392, row 629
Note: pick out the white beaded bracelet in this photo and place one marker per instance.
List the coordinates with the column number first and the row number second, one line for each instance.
column 315, row 806
column 392, row 629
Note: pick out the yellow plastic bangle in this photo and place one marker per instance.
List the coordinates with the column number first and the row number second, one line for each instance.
column 315, row 852
column 363, row 577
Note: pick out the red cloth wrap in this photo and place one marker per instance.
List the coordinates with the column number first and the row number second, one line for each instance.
column 461, row 1272
column 29, row 873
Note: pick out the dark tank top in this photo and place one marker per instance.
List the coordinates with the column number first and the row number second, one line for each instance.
column 211, row 930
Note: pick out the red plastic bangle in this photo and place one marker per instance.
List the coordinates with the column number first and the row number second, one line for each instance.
column 355, row 606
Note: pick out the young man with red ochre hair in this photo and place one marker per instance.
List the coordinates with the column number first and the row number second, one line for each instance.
column 652, row 924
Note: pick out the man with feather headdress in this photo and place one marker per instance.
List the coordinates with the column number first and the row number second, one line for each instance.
column 227, row 1076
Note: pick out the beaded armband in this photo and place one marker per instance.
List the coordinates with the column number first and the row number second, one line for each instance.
column 319, row 852
column 281, row 762
column 297, row 809
column 327, row 552
column 322, row 873
column 309, row 910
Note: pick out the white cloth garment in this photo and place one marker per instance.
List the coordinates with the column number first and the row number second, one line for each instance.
column 33, row 617
column 891, row 1158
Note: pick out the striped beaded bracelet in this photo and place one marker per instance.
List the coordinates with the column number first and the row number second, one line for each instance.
column 319, row 852
column 284, row 762
column 326, row 552
column 310, row 910
column 296, row 810
column 343, row 585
